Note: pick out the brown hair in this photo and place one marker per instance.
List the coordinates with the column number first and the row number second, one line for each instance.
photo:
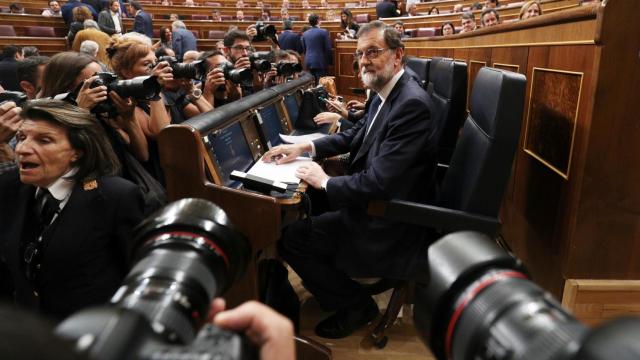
column 124, row 53
column 84, row 133
column 81, row 13
column 60, row 74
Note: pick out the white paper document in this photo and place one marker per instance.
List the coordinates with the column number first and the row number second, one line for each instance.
column 283, row 172
column 296, row 139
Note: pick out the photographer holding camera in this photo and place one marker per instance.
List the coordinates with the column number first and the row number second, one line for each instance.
column 219, row 87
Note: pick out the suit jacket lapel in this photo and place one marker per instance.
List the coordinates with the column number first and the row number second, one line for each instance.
column 22, row 210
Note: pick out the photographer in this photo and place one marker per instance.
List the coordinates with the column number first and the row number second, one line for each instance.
column 30, row 74
column 238, row 48
column 184, row 100
column 216, row 89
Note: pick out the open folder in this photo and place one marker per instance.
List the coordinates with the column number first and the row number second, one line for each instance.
column 285, row 173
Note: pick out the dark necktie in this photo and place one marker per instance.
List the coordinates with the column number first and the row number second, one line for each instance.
column 46, row 207
column 371, row 114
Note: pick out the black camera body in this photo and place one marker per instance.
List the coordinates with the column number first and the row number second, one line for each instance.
column 479, row 304
column 188, row 253
column 236, row 76
column 196, row 70
column 261, row 61
column 16, row 96
column 264, row 32
column 285, row 68
column 141, row 88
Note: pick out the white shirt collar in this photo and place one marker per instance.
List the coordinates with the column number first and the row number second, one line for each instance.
column 386, row 89
column 61, row 188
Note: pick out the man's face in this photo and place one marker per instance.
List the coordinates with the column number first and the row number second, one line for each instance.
column 115, row 6
column 489, row 5
column 240, row 48
column 399, row 28
column 377, row 66
column 214, row 62
column 240, row 15
column 54, row 6
column 468, row 24
column 489, row 19
column 131, row 9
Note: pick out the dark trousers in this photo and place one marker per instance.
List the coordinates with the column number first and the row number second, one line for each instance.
column 318, row 73
column 311, row 251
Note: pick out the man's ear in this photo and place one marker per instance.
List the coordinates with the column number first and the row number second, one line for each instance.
column 28, row 88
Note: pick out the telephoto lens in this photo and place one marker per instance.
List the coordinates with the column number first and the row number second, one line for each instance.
column 285, row 68
column 196, row 70
column 261, row 61
column 480, row 304
column 236, row 76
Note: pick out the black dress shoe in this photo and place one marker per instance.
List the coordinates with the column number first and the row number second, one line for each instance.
column 345, row 321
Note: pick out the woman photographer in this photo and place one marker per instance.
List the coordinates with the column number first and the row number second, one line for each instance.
column 349, row 27
column 66, row 71
column 66, row 221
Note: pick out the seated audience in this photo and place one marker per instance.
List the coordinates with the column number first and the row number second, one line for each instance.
column 412, row 10
column 476, row 6
column 215, row 15
column 349, row 26
column 284, row 14
column 490, row 4
column 324, row 4
column 239, row 4
column 240, row 15
column 490, row 17
column 9, row 59
column 305, row 4
column 399, row 26
column 29, row 51
column 531, row 8
column 166, row 38
column 266, row 15
column 76, row 250
column 458, row 8
column 183, row 40
column 53, row 10
column 30, row 74
column 110, row 20
column 92, row 32
column 190, row 3
column 260, row 4
column 166, row 3
column 285, row 4
column 447, row 28
column 468, row 22
column 80, row 14
column 16, row 8
column 434, row 11
column 386, row 9
column 174, row 17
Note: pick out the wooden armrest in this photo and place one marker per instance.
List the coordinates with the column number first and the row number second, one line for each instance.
column 433, row 216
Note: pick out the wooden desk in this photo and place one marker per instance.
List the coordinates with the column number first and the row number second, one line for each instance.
column 571, row 208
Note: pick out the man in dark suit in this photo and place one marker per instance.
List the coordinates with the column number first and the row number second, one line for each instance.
column 142, row 22
column 316, row 46
column 392, row 156
column 386, row 9
column 9, row 58
column 288, row 39
column 183, row 40
column 110, row 20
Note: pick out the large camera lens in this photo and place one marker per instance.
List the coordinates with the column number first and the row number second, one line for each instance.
column 285, row 68
column 479, row 304
column 139, row 88
column 196, row 70
column 237, row 76
column 190, row 253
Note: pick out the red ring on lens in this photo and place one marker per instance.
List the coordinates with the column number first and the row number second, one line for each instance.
column 470, row 295
column 208, row 243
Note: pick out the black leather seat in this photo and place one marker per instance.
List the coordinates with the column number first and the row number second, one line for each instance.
column 420, row 67
column 447, row 87
column 471, row 192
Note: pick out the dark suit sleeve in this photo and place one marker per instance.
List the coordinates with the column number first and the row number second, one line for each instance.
column 303, row 45
column 339, row 143
column 129, row 213
column 328, row 49
column 138, row 24
column 105, row 21
column 408, row 134
column 177, row 45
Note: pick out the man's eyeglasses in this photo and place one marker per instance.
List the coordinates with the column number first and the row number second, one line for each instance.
column 242, row 48
column 370, row 53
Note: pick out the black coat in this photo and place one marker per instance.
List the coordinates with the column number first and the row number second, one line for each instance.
column 396, row 160
column 386, row 9
column 87, row 253
column 9, row 75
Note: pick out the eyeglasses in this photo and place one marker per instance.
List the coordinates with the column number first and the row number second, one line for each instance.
column 370, row 53
column 242, row 48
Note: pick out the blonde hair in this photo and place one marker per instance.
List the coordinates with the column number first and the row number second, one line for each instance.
column 527, row 5
column 125, row 52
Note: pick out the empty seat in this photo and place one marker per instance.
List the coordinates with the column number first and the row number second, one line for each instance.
column 156, row 33
column 250, row 18
column 362, row 18
column 226, row 17
column 420, row 66
column 39, row 31
column 196, row 33
column 216, row 34
column 425, row 32
column 199, row 17
column 7, row 30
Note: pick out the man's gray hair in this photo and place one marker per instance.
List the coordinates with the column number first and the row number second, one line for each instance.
column 391, row 37
column 178, row 25
column 88, row 24
column 89, row 47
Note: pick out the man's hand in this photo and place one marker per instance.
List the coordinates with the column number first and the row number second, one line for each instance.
column 10, row 121
column 243, row 63
column 286, row 153
column 251, row 31
column 355, row 105
column 264, row 327
column 326, row 118
column 215, row 78
column 338, row 107
column 124, row 107
column 312, row 174
column 89, row 97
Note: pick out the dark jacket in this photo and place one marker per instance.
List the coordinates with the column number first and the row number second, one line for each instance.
column 396, row 160
column 85, row 255
column 316, row 46
column 183, row 41
column 143, row 24
column 290, row 40
column 105, row 21
column 67, row 10
column 386, row 9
